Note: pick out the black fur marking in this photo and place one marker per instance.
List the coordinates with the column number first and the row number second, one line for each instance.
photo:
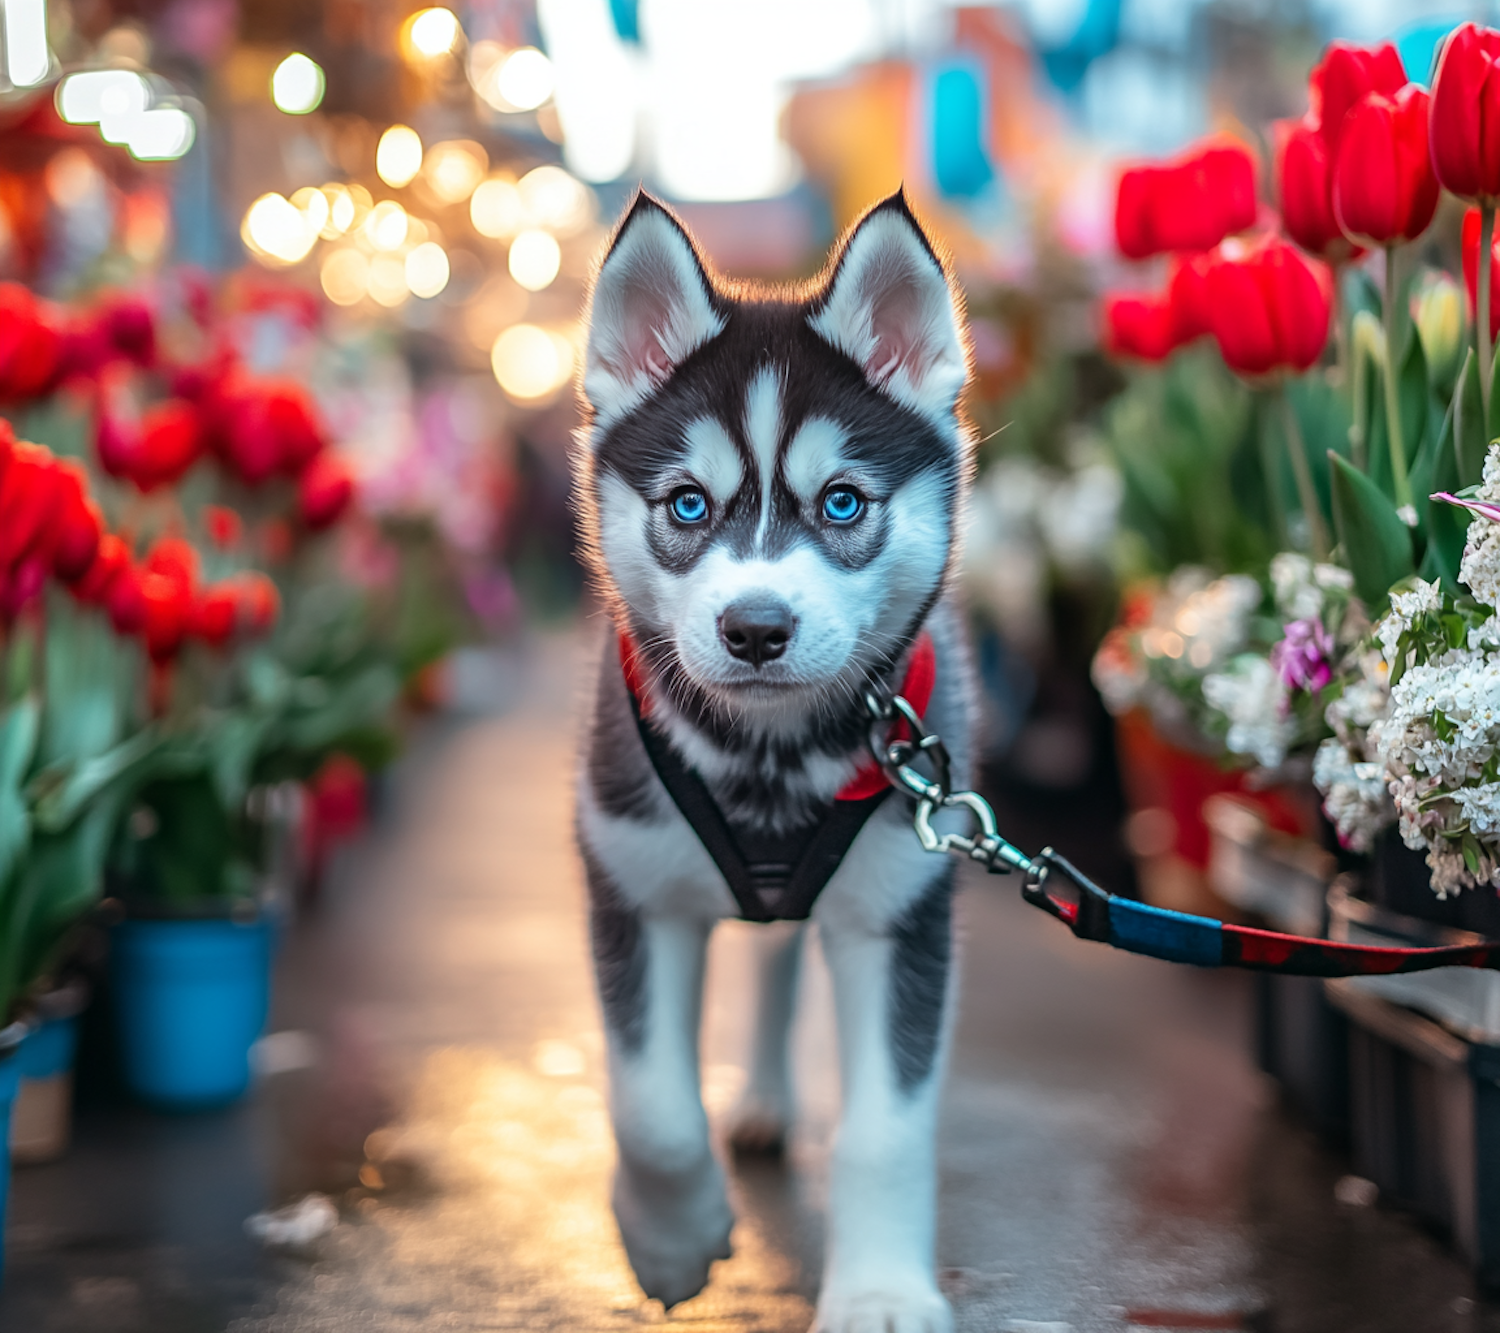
column 620, row 772
column 619, row 955
column 922, row 944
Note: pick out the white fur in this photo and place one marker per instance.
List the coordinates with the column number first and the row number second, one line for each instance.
column 891, row 310
column 813, row 457
column 763, row 430
column 712, row 460
column 650, row 310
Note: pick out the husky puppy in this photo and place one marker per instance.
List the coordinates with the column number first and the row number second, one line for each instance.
column 770, row 481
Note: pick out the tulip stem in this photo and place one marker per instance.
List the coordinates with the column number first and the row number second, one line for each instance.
column 1307, row 493
column 1486, row 263
column 1394, row 434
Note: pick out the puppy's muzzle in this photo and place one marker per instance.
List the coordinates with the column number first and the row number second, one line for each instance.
column 757, row 630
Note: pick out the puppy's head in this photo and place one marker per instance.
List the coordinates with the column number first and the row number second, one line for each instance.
column 770, row 479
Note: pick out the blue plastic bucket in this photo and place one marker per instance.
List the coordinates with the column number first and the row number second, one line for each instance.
column 190, row 1000
column 10, row 1083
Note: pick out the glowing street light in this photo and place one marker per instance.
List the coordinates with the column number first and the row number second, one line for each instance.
column 398, row 156
column 297, row 85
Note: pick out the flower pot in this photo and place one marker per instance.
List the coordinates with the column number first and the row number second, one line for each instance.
column 10, row 1081
column 42, row 1120
column 191, row 996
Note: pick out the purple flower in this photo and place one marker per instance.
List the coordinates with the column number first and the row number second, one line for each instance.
column 1490, row 511
column 1301, row 659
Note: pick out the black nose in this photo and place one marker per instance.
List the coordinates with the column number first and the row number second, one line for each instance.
column 756, row 630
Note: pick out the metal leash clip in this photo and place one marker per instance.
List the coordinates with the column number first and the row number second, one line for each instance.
column 896, row 754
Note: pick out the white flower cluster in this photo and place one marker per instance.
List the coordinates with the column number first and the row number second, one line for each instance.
column 1348, row 768
column 1301, row 587
column 1197, row 624
column 1250, row 693
column 1480, row 568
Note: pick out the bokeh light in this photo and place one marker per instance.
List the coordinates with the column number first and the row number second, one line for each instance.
column 433, row 32
column 531, row 363
column 297, row 85
column 388, row 280
column 398, row 157
column 496, row 209
column 556, row 200
column 28, row 60
column 274, row 228
column 454, row 168
column 427, row 269
column 387, row 226
column 313, row 205
column 535, row 258
column 345, row 276
column 524, row 79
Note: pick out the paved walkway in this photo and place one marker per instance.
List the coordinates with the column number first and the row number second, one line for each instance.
column 1110, row 1160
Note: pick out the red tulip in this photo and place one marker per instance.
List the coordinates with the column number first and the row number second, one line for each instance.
column 111, row 556
column 1188, row 298
column 1471, row 269
column 1304, row 181
column 1269, row 308
column 173, row 559
column 293, row 419
column 1464, row 127
column 1187, row 205
column 31, row 346
column 168, row 616
column 259, row 602
column 1384, row 191
column 22, row 584
column 1343, row 77
column 215, row 614
column 1138, row 326
column 29, row 494
column 325, row 489
column 129, row 326
column 125, row 600
column 171, row 440
column 77, row 525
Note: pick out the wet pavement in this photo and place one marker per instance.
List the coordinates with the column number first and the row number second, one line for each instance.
column 1110, row 1158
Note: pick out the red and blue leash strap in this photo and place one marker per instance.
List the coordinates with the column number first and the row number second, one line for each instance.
column 1178, row 937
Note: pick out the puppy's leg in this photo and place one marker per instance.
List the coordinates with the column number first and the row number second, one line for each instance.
column 669, row 1190
column 759, row 1121
column 891, row 996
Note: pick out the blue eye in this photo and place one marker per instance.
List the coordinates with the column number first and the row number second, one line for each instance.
column 689, row 506
column 841, row 505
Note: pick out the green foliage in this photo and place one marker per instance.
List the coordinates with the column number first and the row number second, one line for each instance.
column 1185, row 438
column 1376, row 543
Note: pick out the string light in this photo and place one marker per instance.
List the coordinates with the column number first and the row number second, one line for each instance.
column 524, row 79
column 453, row 169
column 433, row 32
column 530, row 363
column 427, row 269
column 275, row 228
column 387, row 226
column 346, row 276
column 496, row 209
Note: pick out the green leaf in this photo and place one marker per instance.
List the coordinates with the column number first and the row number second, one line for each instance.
column 1446, row 526
column 1414, row 392
column 1377, row 544
column 1493, row 429
column 1470, row 437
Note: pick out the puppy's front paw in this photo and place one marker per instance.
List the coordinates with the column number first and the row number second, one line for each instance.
column 674, row 1227
column 897, row 1307
column 758, row 1125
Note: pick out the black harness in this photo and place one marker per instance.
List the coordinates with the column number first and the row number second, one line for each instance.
column 775, row 877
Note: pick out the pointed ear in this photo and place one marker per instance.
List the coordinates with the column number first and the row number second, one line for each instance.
column 889, row 307
column 652, row 305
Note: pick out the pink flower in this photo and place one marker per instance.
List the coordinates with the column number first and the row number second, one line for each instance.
column 1301, row 659
column 1490, row 511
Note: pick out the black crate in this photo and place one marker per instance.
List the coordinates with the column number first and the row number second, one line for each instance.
column 1424, row 1117
column 1302, row 1042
